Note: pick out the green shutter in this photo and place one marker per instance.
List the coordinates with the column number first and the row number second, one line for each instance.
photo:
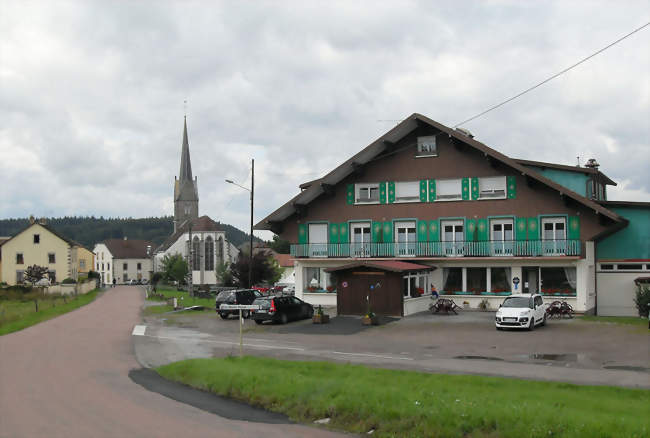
column 334, row 233
column 520, row 228
column 391, row 192
column 422, row 231
column 470, row 230
column 423, row 190
column 482, row 230
column 511, row 181
column 350, row 193
column 387, row 232
column 376, row 232
column 302, row 234
column 343, row 232
column 533, row 228
column 465, row 189
column 475, row 192
column 434, row 231
column 432, row 190
column 382, row 193
column 574, row 228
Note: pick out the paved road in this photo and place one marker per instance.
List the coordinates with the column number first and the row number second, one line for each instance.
column 68, row 377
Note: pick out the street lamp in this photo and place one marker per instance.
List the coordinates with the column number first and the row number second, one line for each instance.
column 251, row 191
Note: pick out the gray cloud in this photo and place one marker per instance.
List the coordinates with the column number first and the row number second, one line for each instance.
column 92, row 93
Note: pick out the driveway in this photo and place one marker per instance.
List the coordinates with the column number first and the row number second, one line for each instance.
column 564, row 350
column 69, row 377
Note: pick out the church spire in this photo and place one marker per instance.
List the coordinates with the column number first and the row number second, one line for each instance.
column 185, row 173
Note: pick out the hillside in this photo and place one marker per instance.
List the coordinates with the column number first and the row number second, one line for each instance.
column 90, row 230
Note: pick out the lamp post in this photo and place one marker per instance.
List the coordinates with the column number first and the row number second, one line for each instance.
column 251, row 191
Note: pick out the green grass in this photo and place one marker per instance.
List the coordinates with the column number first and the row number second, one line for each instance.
column 186, row 300
column 16, row 315
column 412, row 404
column 623, row 320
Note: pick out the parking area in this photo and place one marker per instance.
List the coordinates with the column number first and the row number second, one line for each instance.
column 566, row 349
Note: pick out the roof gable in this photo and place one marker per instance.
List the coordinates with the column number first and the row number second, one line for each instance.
column 203, row 223
column 129, row 248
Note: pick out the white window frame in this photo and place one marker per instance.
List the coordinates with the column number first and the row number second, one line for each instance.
column 554, row 246
column 362, row 248
column 443, row 193
column 453, row 247
column 503, row 246
column 406, row 248
column 412, row 189
column 317, row 248
column 369, row 187
column 427, row 146
column 492, row 187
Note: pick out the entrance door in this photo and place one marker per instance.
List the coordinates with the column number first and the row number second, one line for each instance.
column 360, row 239
column 531, row 280
column 385, row 296
column 406, row 238
column 317, row 240
column 453, row 237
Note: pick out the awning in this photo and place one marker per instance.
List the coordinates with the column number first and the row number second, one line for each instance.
column 384, row 265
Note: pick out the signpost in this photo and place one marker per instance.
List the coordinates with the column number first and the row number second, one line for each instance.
column 240, row 307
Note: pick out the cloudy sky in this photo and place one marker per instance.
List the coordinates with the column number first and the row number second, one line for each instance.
column 92, row 93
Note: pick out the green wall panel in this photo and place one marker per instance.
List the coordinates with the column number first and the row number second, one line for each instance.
column 482, row 230
column 465, row 182
column 423, row 227
column 520, row 228
column 350, row 194
column 376, row 231
column 573, row 231
column 387, row 232
column 633, row 241
column 470, row 230
column 382, row 192
column 334, row 233
column 343, row 232
column 533, row 228
column 511, row 187
column 434, row 230
column 423, row 190
column 302, row 234
column 432, row 190
column 475, row 191
column 391, row 192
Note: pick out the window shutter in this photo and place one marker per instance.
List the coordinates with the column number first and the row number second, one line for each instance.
column 382, row 192
column 470, row 230
column 574, row 228
column 465, row 189
column 434, row 231
column 520, row 231
column 343, row 232
column 432, row 190
column 533, row 228
column 334, row 233
column 302, row 234
column 422, row 231
column 387, row 232
column 391, row 192
column 511, row 182
column 376, row 232
column 350, row 193
column 475, row 192
column 483, row 231
column 423, row 190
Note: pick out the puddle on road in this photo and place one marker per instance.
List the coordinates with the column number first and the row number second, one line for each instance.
column 564, row 357
column 478, row 357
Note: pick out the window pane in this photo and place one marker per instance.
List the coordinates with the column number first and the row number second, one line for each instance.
column 452, row 280
column 559, row 281
column 476, row 280
column 500, row 279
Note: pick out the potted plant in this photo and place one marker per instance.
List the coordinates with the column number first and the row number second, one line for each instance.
column 466, row 304
column 370, row 318
column 319, row 317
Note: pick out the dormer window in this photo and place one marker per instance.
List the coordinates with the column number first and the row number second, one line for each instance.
column 427, row 146
column 493, row 187
column 367, row 193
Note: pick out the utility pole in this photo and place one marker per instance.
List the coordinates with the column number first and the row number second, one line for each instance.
column 189, row 262
column 250, row 262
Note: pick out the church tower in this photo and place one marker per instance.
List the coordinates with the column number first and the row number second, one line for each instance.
column 186, row 193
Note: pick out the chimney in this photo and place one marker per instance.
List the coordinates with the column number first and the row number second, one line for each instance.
column 32, row 220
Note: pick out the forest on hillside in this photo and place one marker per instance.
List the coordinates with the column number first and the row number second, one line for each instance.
column 90, row 230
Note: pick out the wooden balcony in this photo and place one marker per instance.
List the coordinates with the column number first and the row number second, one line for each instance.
column 519, row 248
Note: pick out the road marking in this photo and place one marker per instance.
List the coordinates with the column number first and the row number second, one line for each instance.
column 138, row 330
column 269, row 346
column 372, row 355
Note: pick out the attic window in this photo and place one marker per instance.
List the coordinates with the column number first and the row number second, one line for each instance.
column 427, row 146
column 367, row 193
column 37, row 238
column 493, row 187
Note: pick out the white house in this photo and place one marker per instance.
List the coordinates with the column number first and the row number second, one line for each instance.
column 123, row 260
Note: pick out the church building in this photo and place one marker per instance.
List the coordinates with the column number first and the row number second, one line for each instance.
column 209, row 247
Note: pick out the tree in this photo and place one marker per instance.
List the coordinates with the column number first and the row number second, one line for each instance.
column 224, row 275
column 167, row 265
column 279, row 245
column 35, row 273
column 179, row 270
column 265, row 269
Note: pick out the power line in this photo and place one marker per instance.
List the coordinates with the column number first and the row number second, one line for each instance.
column 552, row 77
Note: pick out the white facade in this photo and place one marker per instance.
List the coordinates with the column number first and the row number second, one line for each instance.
column 103, row 263
column 122, row 270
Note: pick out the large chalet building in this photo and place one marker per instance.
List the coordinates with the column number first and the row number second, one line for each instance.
column 426, row 207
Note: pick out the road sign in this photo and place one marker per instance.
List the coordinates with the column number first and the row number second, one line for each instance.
column 239, row 307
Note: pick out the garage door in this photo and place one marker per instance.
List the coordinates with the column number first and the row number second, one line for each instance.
column 354, row 289
column 616, row 293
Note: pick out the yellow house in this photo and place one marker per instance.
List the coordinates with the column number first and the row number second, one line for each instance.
column 85, row 260
column 38, row 244
column 2, row 241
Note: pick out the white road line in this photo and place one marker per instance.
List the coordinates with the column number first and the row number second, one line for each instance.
column 372, row 355
column 139, row 330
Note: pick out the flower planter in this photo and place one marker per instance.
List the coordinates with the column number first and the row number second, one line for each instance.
column 320, row 319
column 370, row 320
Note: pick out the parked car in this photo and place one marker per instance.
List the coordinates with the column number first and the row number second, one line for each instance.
column 521, row 311
column 281, row 309
column 238, row 296
column 145, row 281
column 262, row 289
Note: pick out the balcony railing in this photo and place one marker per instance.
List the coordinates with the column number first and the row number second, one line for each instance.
column 496, row 248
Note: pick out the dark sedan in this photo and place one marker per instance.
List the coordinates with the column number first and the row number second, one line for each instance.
column 241, row 296
column 281, row 309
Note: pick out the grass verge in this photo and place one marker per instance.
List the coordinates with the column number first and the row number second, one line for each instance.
column 622, row 320
column 16, row 315
column 184, row 298
column 413, row 404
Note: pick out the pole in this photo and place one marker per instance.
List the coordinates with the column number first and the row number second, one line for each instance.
column 189, row 264
column 250, row 262
column 241, row 323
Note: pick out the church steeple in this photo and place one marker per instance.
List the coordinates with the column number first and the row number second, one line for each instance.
column 186, row 193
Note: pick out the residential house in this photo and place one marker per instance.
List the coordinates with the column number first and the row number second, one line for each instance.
column 2, row 241
column 85, row 261
column 286, row 263
column 39, row 244
column 442, row 211
column 123, row 260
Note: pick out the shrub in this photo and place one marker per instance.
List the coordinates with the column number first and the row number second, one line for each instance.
column 484, row 304
column 93, row 274
column 642, row 299
column 69, row 281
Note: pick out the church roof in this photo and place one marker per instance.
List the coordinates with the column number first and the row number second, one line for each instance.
column 185, row 173
column 128, row 249
column 203, row 223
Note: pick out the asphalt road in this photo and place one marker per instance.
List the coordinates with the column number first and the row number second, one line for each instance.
column 69, row 377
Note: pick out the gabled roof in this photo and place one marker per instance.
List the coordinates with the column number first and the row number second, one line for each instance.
column 203, row 223
column 48, row 228
column 384, row 265
column 385, row 143
column 567, row 168
column 129, row 248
